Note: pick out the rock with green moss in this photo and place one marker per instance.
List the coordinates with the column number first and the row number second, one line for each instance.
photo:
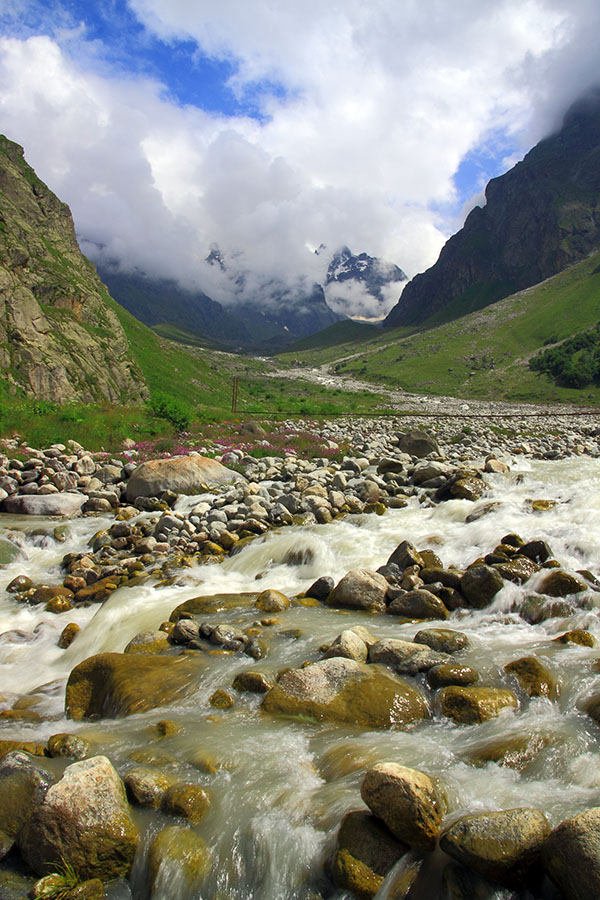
column 366, row 851
column 70, row 745
column 148, row 642
column 178, row 859
column 212, row 603
column 147, row 786
column 83, row 821
column 9, row 552
column 418, row 604
column 343, row 690
column 272, row 601
column 517, row 752
column 472, row 705
column 120, row 684
column 503, row 846
column 442, row 640
column 447, row 674
column 253, row 682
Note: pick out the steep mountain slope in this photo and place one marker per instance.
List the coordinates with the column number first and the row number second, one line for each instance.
column 540, row 217
column 360, row 285
column 59, row 340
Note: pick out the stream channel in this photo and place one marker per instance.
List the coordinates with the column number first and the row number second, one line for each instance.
column 279, row 787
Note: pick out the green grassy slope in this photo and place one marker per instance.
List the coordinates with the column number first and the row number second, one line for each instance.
column 342, row 332
column 486, row 353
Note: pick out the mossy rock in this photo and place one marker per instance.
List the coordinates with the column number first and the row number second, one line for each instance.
column 188, row 800
column 213, row 603
column 177, row 857
column 366, row 851
column 533, row 677
column 71, row 746
column 221, row 699
column 448, row 674
column 149, row 642
column 559, row 583
column 253, row 682
column 577, row 636
column 343, row 690
column 503, row 846
column 516, row 752
column 472, row 705
column 442, row 640
column 120, row 684
column 272, row 601
column 480, row 584
column 407, row 800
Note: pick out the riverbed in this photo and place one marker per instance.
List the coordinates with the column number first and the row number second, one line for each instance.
column 280, row 787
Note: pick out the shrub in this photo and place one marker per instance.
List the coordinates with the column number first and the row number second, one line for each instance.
column 173, row 410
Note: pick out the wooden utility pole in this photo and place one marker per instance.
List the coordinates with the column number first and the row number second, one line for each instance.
column 234, row 396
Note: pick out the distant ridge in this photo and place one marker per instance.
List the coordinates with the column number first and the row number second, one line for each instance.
column 540, row 217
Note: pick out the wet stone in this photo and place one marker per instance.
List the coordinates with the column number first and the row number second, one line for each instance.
column 533, row 677
column 472, row 705
column 366, row 851
column 448, row 674
column 442, row 640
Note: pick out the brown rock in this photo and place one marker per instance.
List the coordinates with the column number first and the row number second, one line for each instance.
column 534, row 678
column 471, row 705
column 366, row 851
column 571, row 856
column 407, row 801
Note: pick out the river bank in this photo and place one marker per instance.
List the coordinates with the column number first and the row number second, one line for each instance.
column 279, row 786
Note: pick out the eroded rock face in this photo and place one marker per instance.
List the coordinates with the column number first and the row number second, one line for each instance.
column 343, row 690
column 120, row 684
column 78, row 350
column 84, row 821
column 503, row 846
column 182, row 475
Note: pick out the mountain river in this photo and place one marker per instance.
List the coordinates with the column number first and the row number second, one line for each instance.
column 279, row 787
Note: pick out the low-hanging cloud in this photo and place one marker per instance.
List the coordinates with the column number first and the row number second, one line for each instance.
column 376, row 107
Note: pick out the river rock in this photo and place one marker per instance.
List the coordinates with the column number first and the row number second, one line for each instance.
column 460, row 883
column 272, row 601
column 251, row 681
column 177, row 859
column 446, row 674
column 571, row 856
column 181, row 474
column 480, row 584
column 534, row 678
column 366, row 851
column 22, row 788
column 417, row 443
column 61, row 504
column 150, row 642
column 120, row 684
column 515, row 752
column 577, row 636
column 343, row 690
column 146, row 786
column 360, row 589
column 503, row 846
column 405, row 554
column 407, row 801
column 187, row 800
column 558, row 583
column 418, row 604
column 405, row 657
column 68, row 635
column 471, row 705
column 70, row 745
column 442, row 640
column 349, row 645
column 9, row 553
column 83, row 821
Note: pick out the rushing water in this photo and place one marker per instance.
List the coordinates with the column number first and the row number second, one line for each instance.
column 280, row 787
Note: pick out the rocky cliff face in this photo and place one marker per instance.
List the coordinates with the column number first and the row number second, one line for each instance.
column 361, row 285
column 540, row 217
column 58, row 338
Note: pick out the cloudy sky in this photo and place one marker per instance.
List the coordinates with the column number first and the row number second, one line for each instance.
column 273, row 126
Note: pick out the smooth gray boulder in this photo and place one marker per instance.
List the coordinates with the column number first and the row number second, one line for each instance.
column 182, row 475
column 62, row 504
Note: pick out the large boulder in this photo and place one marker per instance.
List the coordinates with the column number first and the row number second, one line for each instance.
column 365, row 853
column 83, row 821
column 62, row 504
column 417, row 443
column 360, row 589
column 571, row 856
column 503, row 846
column 407, row 801
column 120, row 684
column 182, row 475
column 343, row 690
